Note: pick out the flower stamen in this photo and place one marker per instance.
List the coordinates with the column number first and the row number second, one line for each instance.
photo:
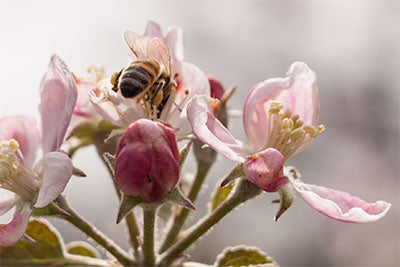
column 286, row 132
column 14, row 175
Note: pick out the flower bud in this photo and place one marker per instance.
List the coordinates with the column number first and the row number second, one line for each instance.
column 147, row 160
column 216, row 88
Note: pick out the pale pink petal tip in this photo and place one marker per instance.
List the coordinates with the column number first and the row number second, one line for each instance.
column 265, row 170
column 341, row 205
column 211, row 131
column 58, row 94
column 57, row 170
column 13, row 231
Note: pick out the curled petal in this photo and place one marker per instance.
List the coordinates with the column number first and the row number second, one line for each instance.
column 265, row 170
column 13, row 231
column 191, row 82
column 340, row 205
column 58, row 95
column 210, row 131
column 147, row 160
column 25, row 131
column 298, row 92
column 57, row 170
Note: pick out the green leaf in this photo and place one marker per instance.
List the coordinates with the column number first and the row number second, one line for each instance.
column 244, row 256
column 82, row 248
column 220, row 194
column 47, row 249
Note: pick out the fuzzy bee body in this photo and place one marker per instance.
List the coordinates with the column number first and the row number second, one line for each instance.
column 138, row 77
column 147, row 79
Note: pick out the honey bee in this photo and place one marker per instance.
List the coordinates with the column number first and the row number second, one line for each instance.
column 149, row 77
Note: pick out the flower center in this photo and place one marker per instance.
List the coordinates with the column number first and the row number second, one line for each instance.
column 286, row 132
column 14, row 176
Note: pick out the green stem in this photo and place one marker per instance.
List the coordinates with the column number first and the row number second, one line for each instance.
column 133, row 229
column 75, row 219
column 244, row 191
column 148, row 235
column 179, row 220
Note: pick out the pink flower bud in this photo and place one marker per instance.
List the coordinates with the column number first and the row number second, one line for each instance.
column 216, row 88
column 147, row 160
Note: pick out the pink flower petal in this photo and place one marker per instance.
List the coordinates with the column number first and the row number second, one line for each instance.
column 114, row 108
column 57, row 170
column 147, row 160
column 297, row 91
column 25, row 131
column 173, row 39
column 340, row 205
column 83, row 107
column 58, row 97
column 265, row 170
column 7, row 202
column 191, row 82
column 210, row 131
column 13, row 231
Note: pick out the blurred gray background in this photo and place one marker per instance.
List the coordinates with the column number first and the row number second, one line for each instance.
column 353, row 46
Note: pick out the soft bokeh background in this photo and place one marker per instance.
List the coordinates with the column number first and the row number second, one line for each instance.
column 353, row 46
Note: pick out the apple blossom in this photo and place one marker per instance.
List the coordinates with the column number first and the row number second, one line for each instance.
column 280, row 119
column 36, row 183
column 147, row 160
column 190, row 81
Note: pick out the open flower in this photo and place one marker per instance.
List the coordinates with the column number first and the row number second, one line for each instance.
column 147, row 160
column 280, row 118
column 189, row 79
column 36, row 182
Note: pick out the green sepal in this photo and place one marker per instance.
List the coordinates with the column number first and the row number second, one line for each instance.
column 286, row 199
column 236, row 172
column 176, row 196
column 220, row 194
column 50, row 210
column 126, row 205
column 243, row 256
column 184, row 153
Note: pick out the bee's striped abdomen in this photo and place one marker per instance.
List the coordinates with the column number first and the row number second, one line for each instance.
column 138, row 77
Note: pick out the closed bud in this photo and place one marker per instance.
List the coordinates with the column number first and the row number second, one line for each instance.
column 147, row 160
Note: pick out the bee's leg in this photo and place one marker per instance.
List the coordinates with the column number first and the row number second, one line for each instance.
column 155, row 98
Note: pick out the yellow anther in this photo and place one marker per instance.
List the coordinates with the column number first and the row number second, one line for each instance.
column 321, row 128
column 273, row 110
column 298, row 124
column 311, row 130
column 295, row 118
column 296, row 134
column 13, row 144
column 286, row 114
column 287, row 123
column 277, row 104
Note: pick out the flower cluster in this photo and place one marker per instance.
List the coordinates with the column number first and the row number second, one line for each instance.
column 152, row 104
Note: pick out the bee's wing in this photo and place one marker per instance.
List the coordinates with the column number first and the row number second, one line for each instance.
column 137, row 43
column 158, row 50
